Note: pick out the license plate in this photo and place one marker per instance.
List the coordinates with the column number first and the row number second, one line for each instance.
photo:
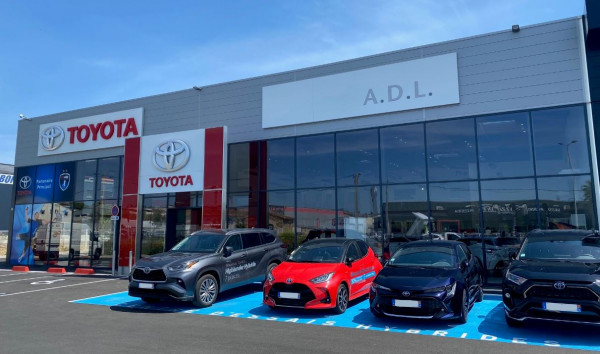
column 553, row 306
column 284, row 295
column 407, row 303
column 146, row 285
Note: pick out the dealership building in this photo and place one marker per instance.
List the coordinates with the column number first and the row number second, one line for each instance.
column 483, row 137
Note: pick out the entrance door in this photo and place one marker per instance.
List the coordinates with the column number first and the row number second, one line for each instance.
column 181, row 223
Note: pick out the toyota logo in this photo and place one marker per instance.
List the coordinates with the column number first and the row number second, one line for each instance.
column 288, row 280
column 25, row 182
column 52, row 138
column 559, row 285
column 170, row 155
column 406, row 293
column 146, row 270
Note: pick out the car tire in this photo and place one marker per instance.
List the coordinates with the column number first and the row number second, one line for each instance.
column 270, row 268
column 511, row 322
column 479, row 297
column 206, row 291
column 464, row 308
column 150, row 300
column 341, row 299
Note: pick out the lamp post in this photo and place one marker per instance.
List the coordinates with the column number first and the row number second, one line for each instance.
column 571, row 170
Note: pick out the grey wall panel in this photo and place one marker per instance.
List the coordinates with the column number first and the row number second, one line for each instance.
column 540, row 66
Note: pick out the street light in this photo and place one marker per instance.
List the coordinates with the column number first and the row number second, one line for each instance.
column 574, row 187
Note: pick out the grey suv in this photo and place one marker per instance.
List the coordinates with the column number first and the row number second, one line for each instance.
column 206, row 263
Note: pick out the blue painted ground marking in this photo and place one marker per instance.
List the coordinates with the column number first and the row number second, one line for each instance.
column 486, row 319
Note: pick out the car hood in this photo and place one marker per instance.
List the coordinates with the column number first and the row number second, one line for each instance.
column 169, row 258
column 559, row 270
column 415, row 277
column 299, row 272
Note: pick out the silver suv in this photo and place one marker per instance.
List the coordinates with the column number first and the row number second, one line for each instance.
column 206, row 263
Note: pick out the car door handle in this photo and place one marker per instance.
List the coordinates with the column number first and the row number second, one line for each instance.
column 244, row 255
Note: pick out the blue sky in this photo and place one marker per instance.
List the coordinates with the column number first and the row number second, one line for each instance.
column 60, row 55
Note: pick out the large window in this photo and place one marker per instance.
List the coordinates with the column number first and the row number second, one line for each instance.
column 315, row 161
column 280, row 164
column 154, row 225
column 357, row 158
column 451, row 150
column 403, row 154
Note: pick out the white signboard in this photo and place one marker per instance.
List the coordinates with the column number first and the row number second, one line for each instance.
column 6, row 178
column 172, row 162
column 90, row 133
column 420, row 83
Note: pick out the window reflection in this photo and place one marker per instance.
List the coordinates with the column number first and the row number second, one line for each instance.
column 280, row 164
column 154, row 223
column 281, row 214
column 359, row 216
column 109, row 173
column 454, row 207
column 560, row 141
column 505, row 146
column 451, row 150
column 85, row 182
column 316, row 210
column 104, row 228
column 315, row 161
column 403, row 154
column 81, row 234
column 566, row 202
column 357, row 158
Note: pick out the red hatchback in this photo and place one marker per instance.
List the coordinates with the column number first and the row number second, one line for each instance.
column 322, row 274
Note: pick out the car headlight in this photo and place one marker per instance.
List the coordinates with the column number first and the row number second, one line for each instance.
column 183, row 266
column 515, row 278
column 322, row 278
column 377, row 286
column 450, row 289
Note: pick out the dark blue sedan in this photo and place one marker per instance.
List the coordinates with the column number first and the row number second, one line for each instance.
column 428, row 280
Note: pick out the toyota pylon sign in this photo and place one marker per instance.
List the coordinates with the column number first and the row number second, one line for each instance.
column 172, row 162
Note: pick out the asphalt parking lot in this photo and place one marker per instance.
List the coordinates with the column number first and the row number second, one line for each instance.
column 71, row 313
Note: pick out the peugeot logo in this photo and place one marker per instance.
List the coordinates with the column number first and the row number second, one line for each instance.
column 146, row 270
column 25, row 182
column 288, row 280
column 406, row 293
column 170, row 155
column 559, row 285
column 52, row 138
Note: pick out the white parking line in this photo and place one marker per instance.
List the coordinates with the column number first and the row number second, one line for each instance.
column 56, row 287
column 93, row 297
column 12, row 281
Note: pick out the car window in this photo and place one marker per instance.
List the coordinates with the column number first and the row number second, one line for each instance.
column 353, row 252
column 363, row 248
column 467, row 252
column 251, row 239
column 234, row 242
column 462, row 255
column 268, row 237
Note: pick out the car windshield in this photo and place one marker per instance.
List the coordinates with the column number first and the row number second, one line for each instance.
column 318, row 253
column 204, row 242
column 508, row 241
column 552, row 248
column 424, row 256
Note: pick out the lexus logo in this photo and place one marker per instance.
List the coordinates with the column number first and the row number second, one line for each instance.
column 146, row 270
column 559, row 285
column 25, row 182
column 170, row 155
column 52, row 138
column 288, row 280
column 406, row 293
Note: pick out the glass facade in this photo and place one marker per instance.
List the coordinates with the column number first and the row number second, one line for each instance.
column 62, row 214
column 485, row 181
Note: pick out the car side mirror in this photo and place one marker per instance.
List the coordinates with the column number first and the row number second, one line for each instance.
column 464, row 265
column 227, row 251
column 349, row 261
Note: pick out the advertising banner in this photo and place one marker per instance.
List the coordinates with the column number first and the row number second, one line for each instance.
column 64, row 181
column 420, row 83
column 25, row 185
column 44, row 183
column 21, row 249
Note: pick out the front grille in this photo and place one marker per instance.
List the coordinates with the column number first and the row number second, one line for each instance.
column 429, row 307
column 306, row 294
column 154, row 275
column 568, row 293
